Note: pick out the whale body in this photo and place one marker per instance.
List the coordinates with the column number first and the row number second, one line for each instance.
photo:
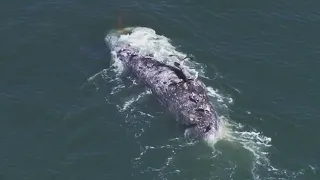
column 186, row 98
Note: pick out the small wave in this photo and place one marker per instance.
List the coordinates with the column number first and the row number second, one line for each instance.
column 255, row 143
column 135, row 99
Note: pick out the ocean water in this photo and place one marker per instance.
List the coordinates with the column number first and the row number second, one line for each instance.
column 69, row 111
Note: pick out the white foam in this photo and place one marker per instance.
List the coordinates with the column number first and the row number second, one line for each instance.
column 133, row 100
column 254, row 142
column 220, row 98
column 223, row 131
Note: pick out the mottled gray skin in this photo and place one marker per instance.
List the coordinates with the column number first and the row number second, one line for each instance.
column 187, row 99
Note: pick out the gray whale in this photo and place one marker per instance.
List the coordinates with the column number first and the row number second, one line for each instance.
column 186, row 98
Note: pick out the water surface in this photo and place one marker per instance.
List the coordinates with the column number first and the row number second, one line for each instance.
column 261, row 60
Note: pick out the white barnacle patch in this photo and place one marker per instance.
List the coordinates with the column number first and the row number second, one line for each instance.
column 124, row 54
column 194, row 98
column 207, row 109
column 185, row 85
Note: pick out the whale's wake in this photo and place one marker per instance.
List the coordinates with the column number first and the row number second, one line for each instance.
column 234, row 138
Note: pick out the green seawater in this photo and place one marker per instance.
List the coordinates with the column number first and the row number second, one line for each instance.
column 260, row 58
